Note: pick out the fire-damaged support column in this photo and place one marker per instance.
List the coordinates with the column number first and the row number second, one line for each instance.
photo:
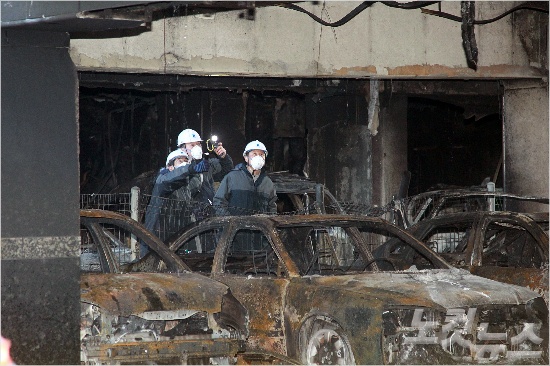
column 389, row 147
column 525, row 125
column 341, row 153
column 40, row 245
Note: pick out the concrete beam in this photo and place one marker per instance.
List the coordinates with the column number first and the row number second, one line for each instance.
column 380, row 42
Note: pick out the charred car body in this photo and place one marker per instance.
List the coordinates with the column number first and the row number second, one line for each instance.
column 431, row 204
column 296, row 194
column 504, row 246
column 316, row 294
column 175, row 317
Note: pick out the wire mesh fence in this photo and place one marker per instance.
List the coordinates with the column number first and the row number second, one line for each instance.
column 118, row 202
column 173, row 215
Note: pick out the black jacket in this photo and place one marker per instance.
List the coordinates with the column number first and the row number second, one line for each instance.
column 196, row 189
column 238, row 194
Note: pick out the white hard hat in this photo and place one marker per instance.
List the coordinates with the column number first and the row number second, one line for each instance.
column 254, row 145
column 175, row 154
column 187, row 136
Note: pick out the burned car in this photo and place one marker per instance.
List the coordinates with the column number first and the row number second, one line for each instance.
column 431, row 204
column 504, row 246
column 296, row 194
column 316, row 294
column 130, row 315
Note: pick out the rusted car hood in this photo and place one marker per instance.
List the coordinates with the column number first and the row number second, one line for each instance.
column 135, row 293
column 447, row 288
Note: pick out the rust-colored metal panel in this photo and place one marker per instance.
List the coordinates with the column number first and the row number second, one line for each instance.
column 533, row 278
column 172, row 352
column 134, row 293
column 263, row 298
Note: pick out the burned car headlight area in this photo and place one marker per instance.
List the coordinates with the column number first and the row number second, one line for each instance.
column 496, row 334
column 165, row 337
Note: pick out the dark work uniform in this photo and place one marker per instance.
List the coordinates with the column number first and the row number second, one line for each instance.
column 239, row 194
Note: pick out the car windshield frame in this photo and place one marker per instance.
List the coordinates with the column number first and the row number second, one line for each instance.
column 95, row 218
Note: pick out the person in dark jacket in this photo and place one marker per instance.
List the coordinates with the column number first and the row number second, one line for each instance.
column 247, row 190
column 178, row 180
column 216, row 168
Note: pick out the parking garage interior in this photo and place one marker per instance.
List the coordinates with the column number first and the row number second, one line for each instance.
column 451, row 131
column 86, row 123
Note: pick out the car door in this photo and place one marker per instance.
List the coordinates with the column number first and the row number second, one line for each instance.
column 248, row 262
column 511, row 250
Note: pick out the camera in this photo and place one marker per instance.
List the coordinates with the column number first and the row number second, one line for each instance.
column 212, row 143
column 214, row 140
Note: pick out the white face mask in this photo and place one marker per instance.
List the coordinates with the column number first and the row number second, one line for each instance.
column 181, row 164
column 257, row 162
column 196, row 152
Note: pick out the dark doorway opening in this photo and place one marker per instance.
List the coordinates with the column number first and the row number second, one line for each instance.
column 449, row 148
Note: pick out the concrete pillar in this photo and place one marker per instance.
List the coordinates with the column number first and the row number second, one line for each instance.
column 526, row 139
column 342, row 155
column 389, row 148
column 40, row 247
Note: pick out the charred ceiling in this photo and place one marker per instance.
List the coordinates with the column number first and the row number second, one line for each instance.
column 475, row 97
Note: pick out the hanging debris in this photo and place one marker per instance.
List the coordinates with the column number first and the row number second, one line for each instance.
column 468, row 10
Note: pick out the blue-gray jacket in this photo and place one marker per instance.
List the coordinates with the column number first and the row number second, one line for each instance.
column 176, row 184
column 179, row 184
column 238, row 194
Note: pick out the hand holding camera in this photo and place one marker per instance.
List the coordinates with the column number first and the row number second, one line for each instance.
column 214, row 145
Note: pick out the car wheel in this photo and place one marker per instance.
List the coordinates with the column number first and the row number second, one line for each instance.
column 326, row 344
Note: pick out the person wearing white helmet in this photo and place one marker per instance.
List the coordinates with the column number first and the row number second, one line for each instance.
column 210, row 169
column 174, row 182
column 176, row 158
column 247, row 190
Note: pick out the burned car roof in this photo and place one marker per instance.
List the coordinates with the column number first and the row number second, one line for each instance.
column 316, row 294
column 431, row 204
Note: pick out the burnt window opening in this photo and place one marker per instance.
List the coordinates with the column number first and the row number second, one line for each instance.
column 448, row 147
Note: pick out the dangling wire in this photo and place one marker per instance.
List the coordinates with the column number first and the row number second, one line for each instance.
column 364, row 5
column 542, row 7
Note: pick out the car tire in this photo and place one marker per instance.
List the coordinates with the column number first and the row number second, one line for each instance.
column 323, row 342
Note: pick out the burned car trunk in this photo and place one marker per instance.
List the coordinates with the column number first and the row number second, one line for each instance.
column 297, row 194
